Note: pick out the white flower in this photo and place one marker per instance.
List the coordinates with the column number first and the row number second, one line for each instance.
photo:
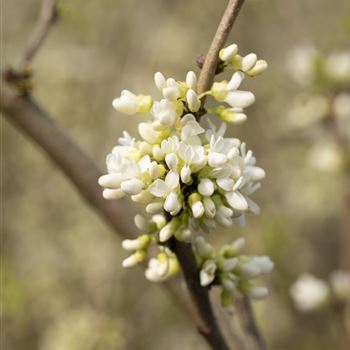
column 309, row 293
column 167, row 189
column 172, row 90
column 129, row 103
column 162, row 267
column 164, row 112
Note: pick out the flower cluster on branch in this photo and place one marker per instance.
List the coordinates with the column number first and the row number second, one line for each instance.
column 188, row 178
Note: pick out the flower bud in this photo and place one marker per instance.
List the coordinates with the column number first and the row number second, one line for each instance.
column 240, row 99
column 191, row 80
column 141, row 223
column 111, row 181
column 193, row 101
column 209, row 207
column 235, row 81
column 171, row 203
column 168, row 230
column 136, row 244
column 112, row 194
column 228, row 52
column 185, row 174
column 260, row 67
column 248, row 62
column 206, row 187
column 159, row 81
column 134, row 259
column 132, row 186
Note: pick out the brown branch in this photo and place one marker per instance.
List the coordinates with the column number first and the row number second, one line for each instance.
column 207, row 73
column 205, row 80
column 200, row 296
column 47, row 18
column 249, row 324
column 35, row 122
column 25, row 114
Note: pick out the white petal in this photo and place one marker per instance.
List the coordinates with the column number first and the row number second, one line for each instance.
column 132, row 187
column 206, row 187
column 197, row 209
column 235, row 81
column 193, row 101
column 216, row 159
column 249, row 61
column 210, row 208
column 159, row 81
column 228, row 52
column 171, row 161
column 185, row 174
column 154, row 208
column 240, row 98
column 172, row 179
column 237, row 200
column 147, row 132
column 112, row 194
column 124, row 106
column 191, row 80
column 158, row 188
column 225, row 183
column 171, row 203
column 171, row 93
column 110, row 180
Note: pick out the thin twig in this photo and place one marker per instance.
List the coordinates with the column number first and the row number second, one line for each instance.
column 48, row 17
column 249, row 323
column 205, row 80
column 23, row 112
column 207, row 73
column 183, row 251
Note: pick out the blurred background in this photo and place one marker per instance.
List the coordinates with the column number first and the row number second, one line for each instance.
column 64, row 287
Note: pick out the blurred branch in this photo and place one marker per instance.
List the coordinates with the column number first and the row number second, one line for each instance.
column 36, row 123
column 340, row 308
column 249, row 324
column 29, row 117
column 48, row 17
column 207, row 73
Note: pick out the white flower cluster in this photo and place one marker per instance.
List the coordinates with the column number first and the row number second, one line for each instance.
column 231, row 270
column 310, row 293
column 188, row 178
